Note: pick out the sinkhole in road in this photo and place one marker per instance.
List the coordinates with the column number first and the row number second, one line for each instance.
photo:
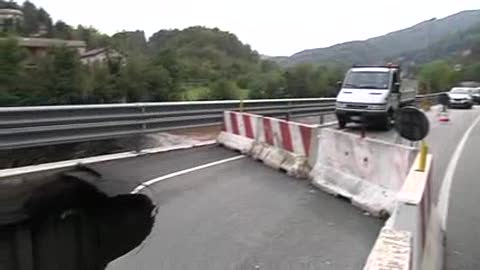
column 74, row 221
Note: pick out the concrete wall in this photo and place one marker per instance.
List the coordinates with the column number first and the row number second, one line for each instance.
column 417, row 215
column 367, row 171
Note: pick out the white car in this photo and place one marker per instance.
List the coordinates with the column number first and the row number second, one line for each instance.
column 460, row 97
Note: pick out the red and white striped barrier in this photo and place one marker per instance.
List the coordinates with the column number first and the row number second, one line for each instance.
column 279, row 143
column 289, row 136
column 239, row 130
column 242, row 124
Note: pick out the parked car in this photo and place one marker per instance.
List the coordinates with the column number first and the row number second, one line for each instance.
column 460, row 97
column 476, row 95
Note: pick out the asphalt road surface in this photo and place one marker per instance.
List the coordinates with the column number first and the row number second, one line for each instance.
column 463, row 222
column 241, row 215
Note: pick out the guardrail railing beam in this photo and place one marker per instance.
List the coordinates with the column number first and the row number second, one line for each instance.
column 22, row 127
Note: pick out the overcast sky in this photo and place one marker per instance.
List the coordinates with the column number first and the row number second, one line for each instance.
column 270, row 27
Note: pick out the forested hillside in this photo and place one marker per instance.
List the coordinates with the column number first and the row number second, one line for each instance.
column 195, row 63
column 376, row 50
column 447, row 62
column 199, row 63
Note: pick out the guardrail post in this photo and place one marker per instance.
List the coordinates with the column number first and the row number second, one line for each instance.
column 138, row 138
column 288, row 111
column 143, row 110
column 322, row 120
column 241, row 106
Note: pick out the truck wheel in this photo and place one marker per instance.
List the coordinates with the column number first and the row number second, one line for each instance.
column 341, row 123
column 387, row 121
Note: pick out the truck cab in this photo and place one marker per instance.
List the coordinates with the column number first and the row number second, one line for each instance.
column 372, row 95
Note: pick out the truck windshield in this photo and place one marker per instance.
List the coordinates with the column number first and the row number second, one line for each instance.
column 367, row 80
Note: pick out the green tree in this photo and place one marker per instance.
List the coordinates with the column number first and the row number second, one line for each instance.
column 223, row 89
column 268, row 66
column 438, row 76
column 8, row 5
column 35, row 20
column 11, row 57
column 267, row 85
column 91, row 36
column 300, row 81
column 472, row 73
column 62, row 30
column 103, row 88
column 160, row 85
column 63, row 73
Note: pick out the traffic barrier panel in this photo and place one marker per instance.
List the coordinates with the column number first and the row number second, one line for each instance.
column 367, row 171
column 239, row 130
column 416, row 215
column 278, row 143
column 290, row 136
column 286, row 145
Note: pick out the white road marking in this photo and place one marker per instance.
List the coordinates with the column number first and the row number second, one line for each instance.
column 96, row 159
column 444, row 198
column 182, row 172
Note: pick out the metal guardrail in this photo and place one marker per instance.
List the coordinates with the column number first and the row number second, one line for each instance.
column 22, row 127
column 433, row 98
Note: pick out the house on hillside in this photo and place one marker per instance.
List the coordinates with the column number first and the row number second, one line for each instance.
column 9, row 19
column 38, row 47
column 102, row 55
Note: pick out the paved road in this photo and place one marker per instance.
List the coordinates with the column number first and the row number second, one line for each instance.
column 463, row 230
column 463, row 222
column 241, row 215
column 443, row 139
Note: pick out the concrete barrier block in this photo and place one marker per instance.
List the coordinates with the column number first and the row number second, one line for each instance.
column 271, row 156
column 260, row 151
column 367, row 171
column 417, row 214
column 380, row 202
column 296, row 165
column 278, row 143
column 433, row 256
column 392, row 250
column 334, row 181
column 236, row 142
column 374, row 199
